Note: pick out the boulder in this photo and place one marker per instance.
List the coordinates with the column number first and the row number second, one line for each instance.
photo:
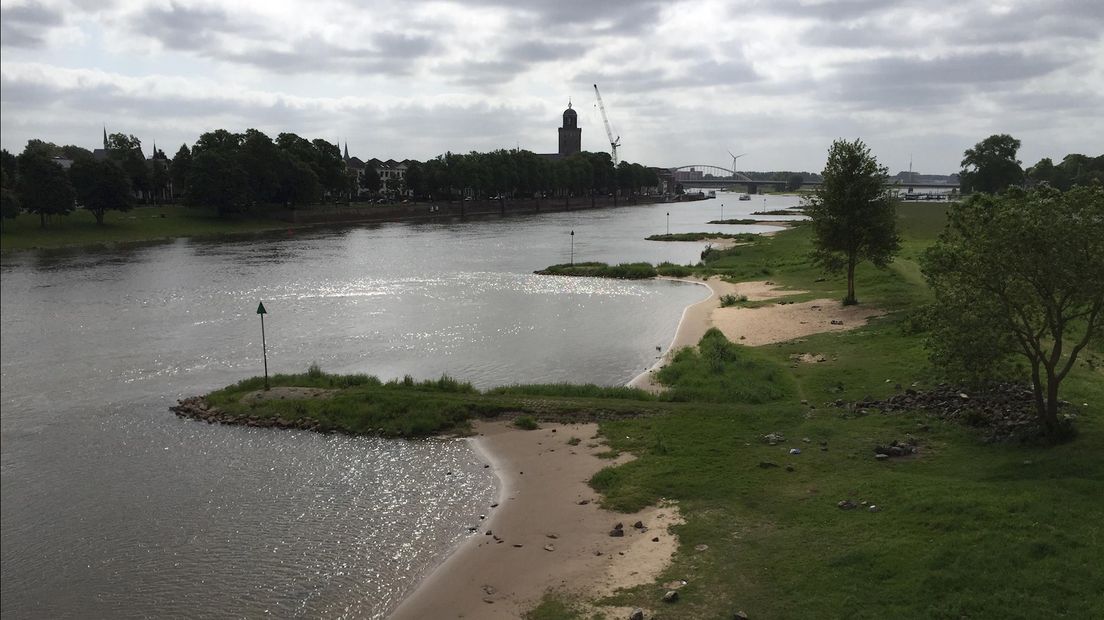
column 671, row 596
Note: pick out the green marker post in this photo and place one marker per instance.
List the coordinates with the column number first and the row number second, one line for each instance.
column 264, row 348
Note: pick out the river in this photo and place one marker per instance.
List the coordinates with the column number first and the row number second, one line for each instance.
column 113, row 507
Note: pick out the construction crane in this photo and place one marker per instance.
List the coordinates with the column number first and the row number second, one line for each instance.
column 614, row 143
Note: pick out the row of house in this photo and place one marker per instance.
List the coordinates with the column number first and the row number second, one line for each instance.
column 391, row 173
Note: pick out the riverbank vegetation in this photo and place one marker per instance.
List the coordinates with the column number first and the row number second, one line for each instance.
column 703, row 236
column 799, row 485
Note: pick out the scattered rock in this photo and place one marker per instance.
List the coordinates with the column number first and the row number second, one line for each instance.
column 701, row 547
column 494, row 505
column 489, row 590
column 740, row 615
column 846, row 504
column 619, row 526
column 549, row 547
column 617, row 533
column 671, row 596
column 881, row 457
column 774, row 438
column 837, row 322
column 789, row 468
column 637, row 614
column 639, row 525
column 795, row 450
column 552, row 536
column 518, row 545
column 583, row 502
column 488, row 600
column 874, row 508
column 656, row 539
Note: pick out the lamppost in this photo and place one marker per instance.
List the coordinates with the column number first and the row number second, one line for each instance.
column 668, row 223
column 722, row 211
column 573, row 248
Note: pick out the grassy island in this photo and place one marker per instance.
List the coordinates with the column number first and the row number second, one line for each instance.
column 623, row 271
column 817, row 466
column 744, row 221
column 703, row 236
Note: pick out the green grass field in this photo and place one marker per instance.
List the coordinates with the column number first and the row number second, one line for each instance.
column 139, row 224
column 965, row 528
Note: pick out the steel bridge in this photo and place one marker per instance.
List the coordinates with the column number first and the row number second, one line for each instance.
column 706, row 176
column 715, row 177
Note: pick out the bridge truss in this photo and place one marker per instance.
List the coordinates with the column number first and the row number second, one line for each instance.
column 706, row 174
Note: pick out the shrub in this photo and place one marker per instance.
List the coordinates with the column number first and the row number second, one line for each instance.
column 731, row 300
column 314, row 371
column 526, row 423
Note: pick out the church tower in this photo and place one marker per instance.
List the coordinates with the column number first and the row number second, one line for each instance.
column 571, row 136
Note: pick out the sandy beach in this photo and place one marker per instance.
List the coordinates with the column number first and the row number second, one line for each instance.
column 546, row 533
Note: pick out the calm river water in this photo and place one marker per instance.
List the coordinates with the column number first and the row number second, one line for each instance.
column 113, row 507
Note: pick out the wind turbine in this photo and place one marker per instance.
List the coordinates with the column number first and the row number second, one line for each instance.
column 734, row 158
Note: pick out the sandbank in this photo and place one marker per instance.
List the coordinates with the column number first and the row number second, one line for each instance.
column 755, row 326
column 547, row 532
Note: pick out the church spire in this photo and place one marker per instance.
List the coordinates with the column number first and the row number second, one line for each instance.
column 346, row 150
column 105, row 137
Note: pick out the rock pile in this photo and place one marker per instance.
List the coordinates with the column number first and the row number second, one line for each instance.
column 197, row 408
column 1004, row 410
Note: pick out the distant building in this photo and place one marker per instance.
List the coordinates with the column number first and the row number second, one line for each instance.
column 571, row 135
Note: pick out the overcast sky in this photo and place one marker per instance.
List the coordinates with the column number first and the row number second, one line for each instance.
column 683, row 81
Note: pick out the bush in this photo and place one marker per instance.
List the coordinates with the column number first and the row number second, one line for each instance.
column 731, row 300
column 672, row 270
column 526, row 423
column 722, row 372
column 314, row 371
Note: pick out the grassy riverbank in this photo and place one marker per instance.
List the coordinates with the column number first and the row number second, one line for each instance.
column 963, row 528
column 703, row 236
column 79, row 228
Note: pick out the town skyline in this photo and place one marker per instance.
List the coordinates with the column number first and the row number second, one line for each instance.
column 683, row 82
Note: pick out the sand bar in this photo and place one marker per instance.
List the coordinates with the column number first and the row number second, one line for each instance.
column 542, row 537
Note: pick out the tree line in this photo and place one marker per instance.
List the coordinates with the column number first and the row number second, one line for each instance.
column 241, row 172
column 991, row 166
column 1017, row 274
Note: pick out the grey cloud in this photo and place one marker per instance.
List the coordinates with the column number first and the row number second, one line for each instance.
column 484, row 74
column 210, row 32
column 25, row 25
column 615, row 17
column 541, row 51
column 698, row 73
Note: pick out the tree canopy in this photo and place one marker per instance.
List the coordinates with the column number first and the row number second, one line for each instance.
column 1020, row 275
column 42, row 186
column 991, row 165
column 852, row 215
column 101, row 185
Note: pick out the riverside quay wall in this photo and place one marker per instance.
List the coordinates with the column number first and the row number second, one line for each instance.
column 366, row 212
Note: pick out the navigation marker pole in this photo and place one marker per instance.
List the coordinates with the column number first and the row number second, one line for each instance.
column 264, row 347
column 573, row 248
column 668, row 223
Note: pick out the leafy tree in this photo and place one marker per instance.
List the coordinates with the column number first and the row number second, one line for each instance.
column 991, row 166
column 101, row 186
column 370, row 180
column 218, row 180
column 42, row 186
column 1020, row 275
column 852, row 214
column 415, row 178
column 9, row 201
column 126, row 151
column 181, row 169
column 794, row 181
